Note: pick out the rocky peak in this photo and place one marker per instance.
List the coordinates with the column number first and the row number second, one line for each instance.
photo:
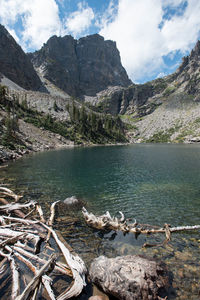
column 81, row 67
column 195, row 53
column 15, row 65
column 191, row 62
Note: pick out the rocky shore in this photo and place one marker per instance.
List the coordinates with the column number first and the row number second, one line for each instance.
column 33, row 139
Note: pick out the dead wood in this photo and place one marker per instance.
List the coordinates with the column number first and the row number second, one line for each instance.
column 77, row 266
column 12, row 240
column 40, row 212
column 17, row 206
column 106, row 222
column 15, row 278
column 21, row 237
column 51, row 219
column 7, row 192
column 34, row 282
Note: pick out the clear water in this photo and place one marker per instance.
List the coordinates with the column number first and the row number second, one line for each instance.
column 155, row 184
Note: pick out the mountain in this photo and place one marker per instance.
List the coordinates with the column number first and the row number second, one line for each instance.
column 80, row 67
column 110, row 107
column 15, row 65
column 163, row 110
column 31, row 120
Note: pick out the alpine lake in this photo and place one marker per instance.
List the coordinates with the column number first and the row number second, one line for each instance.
column 154, row 184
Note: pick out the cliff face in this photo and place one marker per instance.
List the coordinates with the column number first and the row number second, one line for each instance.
column 141, row 99
column 81, row 67
column 15, row 64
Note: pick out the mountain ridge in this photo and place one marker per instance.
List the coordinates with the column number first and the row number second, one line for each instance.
column 15, row 65
column 163, row 110
column 80, row 67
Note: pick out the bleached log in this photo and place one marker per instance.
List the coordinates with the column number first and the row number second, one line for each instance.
column 4, row 254
column 36, row 292
column 107, row 222
column 2, row 221
column 40, row 212
column 3, row 265
column 8, row 192
column 10, row 225
column 52, row 216
column 20, row 214
column 77, row 266
column 15, row 206
column 29, row 213
column 21, row 220
column 11, row 240
column 34, row 282
column 15, row 278
column 58, row 267
column 12, row 233
column 51, row 219
column 25, row 246
column 46, row 280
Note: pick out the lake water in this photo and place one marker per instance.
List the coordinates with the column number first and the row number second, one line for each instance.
column 155, row 184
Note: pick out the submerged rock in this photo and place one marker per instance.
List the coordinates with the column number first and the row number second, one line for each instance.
column 130, row 277
column 71, row 200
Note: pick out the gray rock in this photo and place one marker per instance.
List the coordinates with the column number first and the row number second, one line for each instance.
column 130, row 277
column 15, row 64
column 81, row 67
column 71, row 200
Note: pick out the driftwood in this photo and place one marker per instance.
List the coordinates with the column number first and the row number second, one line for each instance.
column 106, row 222
column 7, row 192
column 22, row 247
column 35, row 281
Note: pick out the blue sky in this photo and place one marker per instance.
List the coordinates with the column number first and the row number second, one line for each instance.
column 151, row 35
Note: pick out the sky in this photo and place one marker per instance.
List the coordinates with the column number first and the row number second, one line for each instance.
column 151, row 35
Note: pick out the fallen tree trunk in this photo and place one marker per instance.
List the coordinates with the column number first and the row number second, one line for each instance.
column 106, row 222
column 34, row 282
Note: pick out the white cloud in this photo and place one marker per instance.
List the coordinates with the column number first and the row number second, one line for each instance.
column 135, row 29
column 141, row 41
column 134, row 24
column 108, row 16
column 40, row 19
column 181, row 31
column 79, row 21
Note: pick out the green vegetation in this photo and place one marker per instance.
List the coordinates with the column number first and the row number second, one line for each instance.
column 162, row 136
column 197, row 120
column 181, row 137
column 103, row 104
column 94, row 127
column 159, row 85
column 9, row 124
column 159, row 137
column 86, row 126
column 169, row 90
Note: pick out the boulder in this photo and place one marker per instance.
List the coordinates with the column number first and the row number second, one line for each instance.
column 130, row 277
column 71, row 200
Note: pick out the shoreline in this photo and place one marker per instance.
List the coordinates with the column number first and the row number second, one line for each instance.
column 7, row 155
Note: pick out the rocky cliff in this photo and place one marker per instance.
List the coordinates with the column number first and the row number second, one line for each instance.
column 15, row 65
column 141, row 99
column 80, row 67
column 163, row 110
